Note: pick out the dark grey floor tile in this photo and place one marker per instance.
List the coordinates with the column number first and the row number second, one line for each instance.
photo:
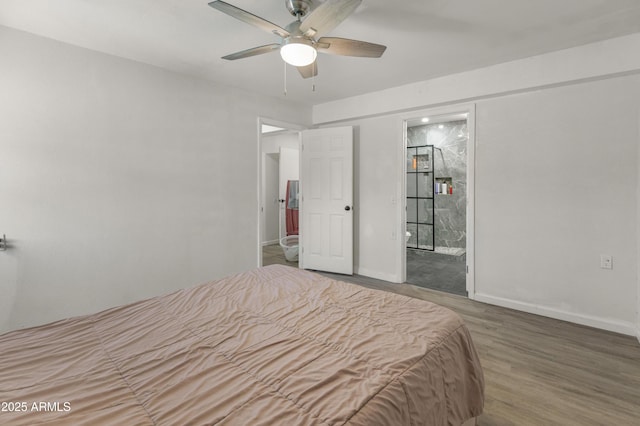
column 437, row 271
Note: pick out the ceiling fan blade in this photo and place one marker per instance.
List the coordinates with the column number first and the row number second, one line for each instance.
column 328, row 16
column 249, row 18
column 309, row 70
column 348, row 47
column 252, row 52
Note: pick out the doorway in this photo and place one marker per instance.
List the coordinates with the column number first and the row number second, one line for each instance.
column 319, row 233
column 438, row 160
column 278, row 148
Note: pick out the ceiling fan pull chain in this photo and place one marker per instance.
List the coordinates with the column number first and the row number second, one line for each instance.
column 313, row 80
column 285, row 78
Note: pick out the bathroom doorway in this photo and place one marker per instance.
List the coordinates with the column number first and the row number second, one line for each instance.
column 279, row 173
column 437, row 252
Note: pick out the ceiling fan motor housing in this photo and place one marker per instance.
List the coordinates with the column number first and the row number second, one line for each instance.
column 299, row 8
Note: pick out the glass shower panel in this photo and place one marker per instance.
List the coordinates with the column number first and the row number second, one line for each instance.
column 412, row 191
column 425, row 185
column 425, row 212
column 413, row 240
column 411, row 156
column 425, row 237
column 412, row 210
column 423, row 161
column 420, row 196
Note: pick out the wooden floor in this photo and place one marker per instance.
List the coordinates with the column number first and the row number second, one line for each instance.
column 273, row 255
column 540, row 371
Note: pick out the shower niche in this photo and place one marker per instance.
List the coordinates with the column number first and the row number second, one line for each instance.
column 420, row 198
column 443, row 186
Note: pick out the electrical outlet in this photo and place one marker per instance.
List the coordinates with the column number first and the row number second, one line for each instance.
column 606, row 261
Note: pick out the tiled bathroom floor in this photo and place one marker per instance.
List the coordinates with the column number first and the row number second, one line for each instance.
column 437, row 271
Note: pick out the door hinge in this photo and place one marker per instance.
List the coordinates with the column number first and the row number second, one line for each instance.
column 467, row 269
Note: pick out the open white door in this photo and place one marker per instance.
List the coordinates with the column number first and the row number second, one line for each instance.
column 326, row 189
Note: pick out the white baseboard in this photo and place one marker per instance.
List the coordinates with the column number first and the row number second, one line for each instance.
column 588, row 320
column 270, row 243
column 376, row 274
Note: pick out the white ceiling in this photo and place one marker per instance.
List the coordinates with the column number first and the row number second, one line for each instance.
column 424, row 38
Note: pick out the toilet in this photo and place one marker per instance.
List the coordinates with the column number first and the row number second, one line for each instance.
column 407, row 236
column 289, row 245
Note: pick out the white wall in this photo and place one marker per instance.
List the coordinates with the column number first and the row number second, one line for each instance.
column 555, row 189
column 377, row 158
column 613, row 57
column 118, row 180
column 271, row 143
column 556, row 179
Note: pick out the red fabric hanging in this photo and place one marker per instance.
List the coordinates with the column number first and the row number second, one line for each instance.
column 291, row 215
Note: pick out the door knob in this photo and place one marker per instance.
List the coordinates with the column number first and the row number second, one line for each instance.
column 347, row 208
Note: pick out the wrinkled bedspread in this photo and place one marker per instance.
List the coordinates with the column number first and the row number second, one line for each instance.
column 271, row 346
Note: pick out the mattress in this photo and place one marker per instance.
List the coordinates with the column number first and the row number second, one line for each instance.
column 270, row 346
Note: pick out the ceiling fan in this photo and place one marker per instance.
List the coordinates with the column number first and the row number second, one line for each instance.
column 302, row 39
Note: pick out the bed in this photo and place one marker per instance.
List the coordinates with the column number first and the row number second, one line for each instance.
column 270, row 346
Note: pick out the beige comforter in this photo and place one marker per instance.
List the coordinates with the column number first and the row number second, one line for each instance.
column 272, row 346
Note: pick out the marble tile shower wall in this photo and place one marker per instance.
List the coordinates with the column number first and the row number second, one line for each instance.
column 450, row 161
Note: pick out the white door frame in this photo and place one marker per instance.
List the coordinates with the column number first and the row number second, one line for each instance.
column 276, row 123
column 470, row 110
column 638, row 250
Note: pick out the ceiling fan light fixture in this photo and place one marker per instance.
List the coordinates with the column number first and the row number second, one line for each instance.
column 298, row 52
